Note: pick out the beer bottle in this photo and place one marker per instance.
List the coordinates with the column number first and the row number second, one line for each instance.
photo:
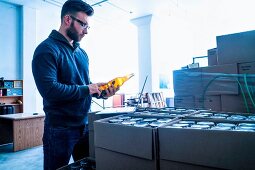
column 116, row 82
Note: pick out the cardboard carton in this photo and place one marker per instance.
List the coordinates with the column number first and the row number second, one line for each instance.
column 125, row 147
column 205, row 149
column 236, row 48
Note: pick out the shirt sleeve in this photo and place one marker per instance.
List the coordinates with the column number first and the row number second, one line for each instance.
column 45, row 72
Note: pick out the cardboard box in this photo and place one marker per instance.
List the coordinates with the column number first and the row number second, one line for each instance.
column 173, row 165
column 236, row 103
column 93, row 116
column 209, row 149
column 167, row 113
column 125, row 147
column 124, row 143
column 246, row 68
column 231, row 117
column 110, row 160
column 236, row 48
column 187, row 82
column 212, row 56
column 212, row 80
column 220, row 79
column 91, row 144
column 211, row 102
column 247, row 77
column 184, row 101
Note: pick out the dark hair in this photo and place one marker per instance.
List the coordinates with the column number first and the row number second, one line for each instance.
column 74, row 6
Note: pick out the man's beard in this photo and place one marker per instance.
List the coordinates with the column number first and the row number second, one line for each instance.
column 72, row 33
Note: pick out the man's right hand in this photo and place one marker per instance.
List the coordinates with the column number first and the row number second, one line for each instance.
column 94, row 89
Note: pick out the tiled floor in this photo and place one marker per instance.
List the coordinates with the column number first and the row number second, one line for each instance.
column 29, row 159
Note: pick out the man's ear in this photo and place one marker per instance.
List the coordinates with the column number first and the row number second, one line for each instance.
column 67, row 20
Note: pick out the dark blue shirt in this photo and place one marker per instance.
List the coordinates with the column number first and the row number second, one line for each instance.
column 61, row 74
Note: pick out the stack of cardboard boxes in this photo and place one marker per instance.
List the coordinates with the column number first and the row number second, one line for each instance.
column 128, row 146
column 227, row 84
column 205, row 149
column 175, row 144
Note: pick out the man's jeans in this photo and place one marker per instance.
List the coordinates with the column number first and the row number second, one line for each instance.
column 59, row 143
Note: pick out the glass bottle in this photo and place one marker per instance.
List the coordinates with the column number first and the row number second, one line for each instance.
column 116, row 82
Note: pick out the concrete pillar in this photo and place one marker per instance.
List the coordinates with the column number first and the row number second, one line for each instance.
column 144, row 50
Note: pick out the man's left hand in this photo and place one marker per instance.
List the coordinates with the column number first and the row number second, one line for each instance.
column 110, row 91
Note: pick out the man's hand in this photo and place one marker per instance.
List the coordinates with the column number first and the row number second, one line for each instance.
column 94, row 88
column 110, row 91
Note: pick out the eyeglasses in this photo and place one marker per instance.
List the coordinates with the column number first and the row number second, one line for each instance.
column 82, row 24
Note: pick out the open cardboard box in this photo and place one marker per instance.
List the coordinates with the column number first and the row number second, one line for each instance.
column 121, row 147
column 93, row 116
column 145, row 112
column 214, row 117
column 206, row 149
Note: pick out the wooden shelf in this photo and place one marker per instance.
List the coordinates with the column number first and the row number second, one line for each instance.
column 16, row 104
column 11, row 92
column 11, row 96
column 11, row 88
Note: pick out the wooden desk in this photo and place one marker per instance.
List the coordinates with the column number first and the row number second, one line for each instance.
column 25, row 130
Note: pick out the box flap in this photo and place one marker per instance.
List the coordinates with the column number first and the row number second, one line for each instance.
column 221, row 149
column 124, row 139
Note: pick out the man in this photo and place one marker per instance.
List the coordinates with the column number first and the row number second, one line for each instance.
column 61, row 72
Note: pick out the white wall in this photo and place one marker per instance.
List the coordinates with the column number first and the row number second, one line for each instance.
column 112, row 50
column 112, row 47
column 46, row 20
column 219, row 18
column 10, row 41
column 181, row 34
column 176, row 37
column 29, row 43
column 171, row 49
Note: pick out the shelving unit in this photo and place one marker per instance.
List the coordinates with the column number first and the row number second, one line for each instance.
column 11, row 94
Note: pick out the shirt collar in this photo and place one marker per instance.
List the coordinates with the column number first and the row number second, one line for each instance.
column 58, row 36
